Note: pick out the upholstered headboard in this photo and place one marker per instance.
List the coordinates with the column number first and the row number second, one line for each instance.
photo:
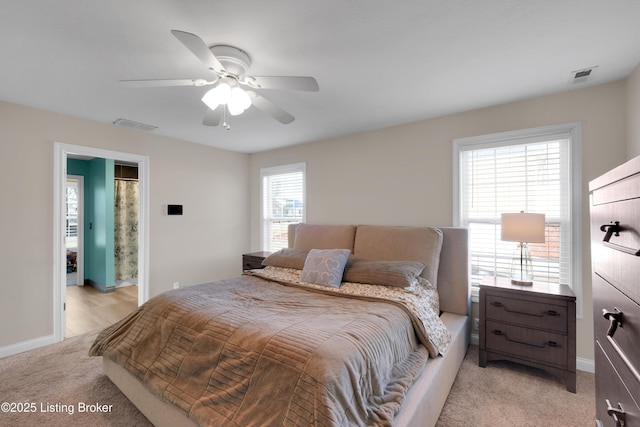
column 444, row 250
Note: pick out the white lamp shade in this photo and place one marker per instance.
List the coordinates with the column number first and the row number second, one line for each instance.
column 523, row 227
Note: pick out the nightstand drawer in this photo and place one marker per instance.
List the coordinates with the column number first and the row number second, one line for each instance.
column 253, row 260
column 251, row 264
column 541, row 346
column 529, row 313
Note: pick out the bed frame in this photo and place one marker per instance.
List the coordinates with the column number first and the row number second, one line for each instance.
column 426, row 398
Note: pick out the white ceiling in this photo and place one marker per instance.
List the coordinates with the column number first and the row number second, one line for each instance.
column 378, row 63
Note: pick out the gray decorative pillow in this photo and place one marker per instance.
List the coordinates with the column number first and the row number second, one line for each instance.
column 401, row 274
column 325, row 267
column 287, row 258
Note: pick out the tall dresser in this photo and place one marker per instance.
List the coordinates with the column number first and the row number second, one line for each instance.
column 615, row 253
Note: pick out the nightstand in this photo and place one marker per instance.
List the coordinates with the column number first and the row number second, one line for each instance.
column 253, row 260
column 533, row 325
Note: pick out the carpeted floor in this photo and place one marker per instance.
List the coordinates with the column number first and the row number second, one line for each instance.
column 61, row 378
column 506, row 394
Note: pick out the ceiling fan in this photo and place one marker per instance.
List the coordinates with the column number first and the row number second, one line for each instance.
column 230, row 67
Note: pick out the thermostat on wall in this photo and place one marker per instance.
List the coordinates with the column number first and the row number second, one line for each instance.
column 174, row 209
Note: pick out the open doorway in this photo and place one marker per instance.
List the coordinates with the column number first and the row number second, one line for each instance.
column 62, row 227
column 105, row 246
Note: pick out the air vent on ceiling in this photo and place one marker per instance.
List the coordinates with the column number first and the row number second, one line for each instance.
column 134, row 125
column 582, row 76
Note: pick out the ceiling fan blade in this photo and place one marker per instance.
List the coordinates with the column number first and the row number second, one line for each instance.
column 199, row 49
column 270, row 108
column 165, row 82
column 212, row 117
column 283, row 82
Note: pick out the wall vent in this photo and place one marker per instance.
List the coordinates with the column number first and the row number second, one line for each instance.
column 582, row 76
column 134, row 125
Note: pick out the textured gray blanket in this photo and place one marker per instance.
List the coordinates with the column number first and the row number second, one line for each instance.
column 251, row 352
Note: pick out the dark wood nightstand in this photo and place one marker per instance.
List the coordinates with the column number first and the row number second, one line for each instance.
column 533, row 325
column 253, row 260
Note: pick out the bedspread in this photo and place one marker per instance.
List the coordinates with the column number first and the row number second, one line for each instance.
column 248, row 351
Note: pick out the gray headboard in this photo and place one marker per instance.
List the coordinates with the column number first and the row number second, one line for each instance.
column 452, row 270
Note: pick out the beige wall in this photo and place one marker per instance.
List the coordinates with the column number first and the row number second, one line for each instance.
column 403, row 175
column 633, row 114
column 205, row 243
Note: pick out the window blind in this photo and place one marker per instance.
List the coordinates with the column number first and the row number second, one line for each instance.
column 283, row 203
column 531, row 175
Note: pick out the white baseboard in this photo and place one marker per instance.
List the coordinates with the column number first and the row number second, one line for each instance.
column 585, row 365
column 582, row 364
column 20, row 347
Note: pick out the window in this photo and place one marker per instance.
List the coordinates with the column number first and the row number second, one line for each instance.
column 283, row 203
column 534, row 170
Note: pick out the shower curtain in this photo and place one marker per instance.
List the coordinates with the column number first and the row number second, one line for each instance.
column 126, row 229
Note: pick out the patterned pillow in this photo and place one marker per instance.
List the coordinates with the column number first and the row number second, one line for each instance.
column 325, row 267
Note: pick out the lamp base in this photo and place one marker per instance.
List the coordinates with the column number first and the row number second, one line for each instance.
column 521, row 266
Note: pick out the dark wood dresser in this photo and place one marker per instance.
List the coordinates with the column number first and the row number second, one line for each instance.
column 534, row 325
column 615, row 257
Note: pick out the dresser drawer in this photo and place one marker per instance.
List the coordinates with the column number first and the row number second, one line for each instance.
column 622, row 189
column 609, row 386
column 529, row 313
column 616, row 260
column 625, row 337
column 540, row 346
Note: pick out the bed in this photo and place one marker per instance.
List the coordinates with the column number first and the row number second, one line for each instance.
column 356, row 360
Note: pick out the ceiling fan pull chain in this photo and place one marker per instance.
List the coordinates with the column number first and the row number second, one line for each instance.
column 225, row 118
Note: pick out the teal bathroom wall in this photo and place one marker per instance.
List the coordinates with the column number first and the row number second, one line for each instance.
column 98, row 219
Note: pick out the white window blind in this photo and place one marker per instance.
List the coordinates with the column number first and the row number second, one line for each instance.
column 283, row 203
column 520, row 171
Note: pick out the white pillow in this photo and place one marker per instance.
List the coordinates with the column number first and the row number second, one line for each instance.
column 325, row 267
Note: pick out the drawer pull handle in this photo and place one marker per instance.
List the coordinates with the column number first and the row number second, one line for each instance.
column 618, row 414
column 614, row 229
column 544, row 313
column 548, row 343
column 615, row 318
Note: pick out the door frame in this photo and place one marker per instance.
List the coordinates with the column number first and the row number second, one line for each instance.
column 61, row 152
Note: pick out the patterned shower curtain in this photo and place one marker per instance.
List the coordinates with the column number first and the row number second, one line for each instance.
column 126, row 229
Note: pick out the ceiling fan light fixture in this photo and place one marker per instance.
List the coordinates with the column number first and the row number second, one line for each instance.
column 238, row 102
column 236, row 99
column 219, row 95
